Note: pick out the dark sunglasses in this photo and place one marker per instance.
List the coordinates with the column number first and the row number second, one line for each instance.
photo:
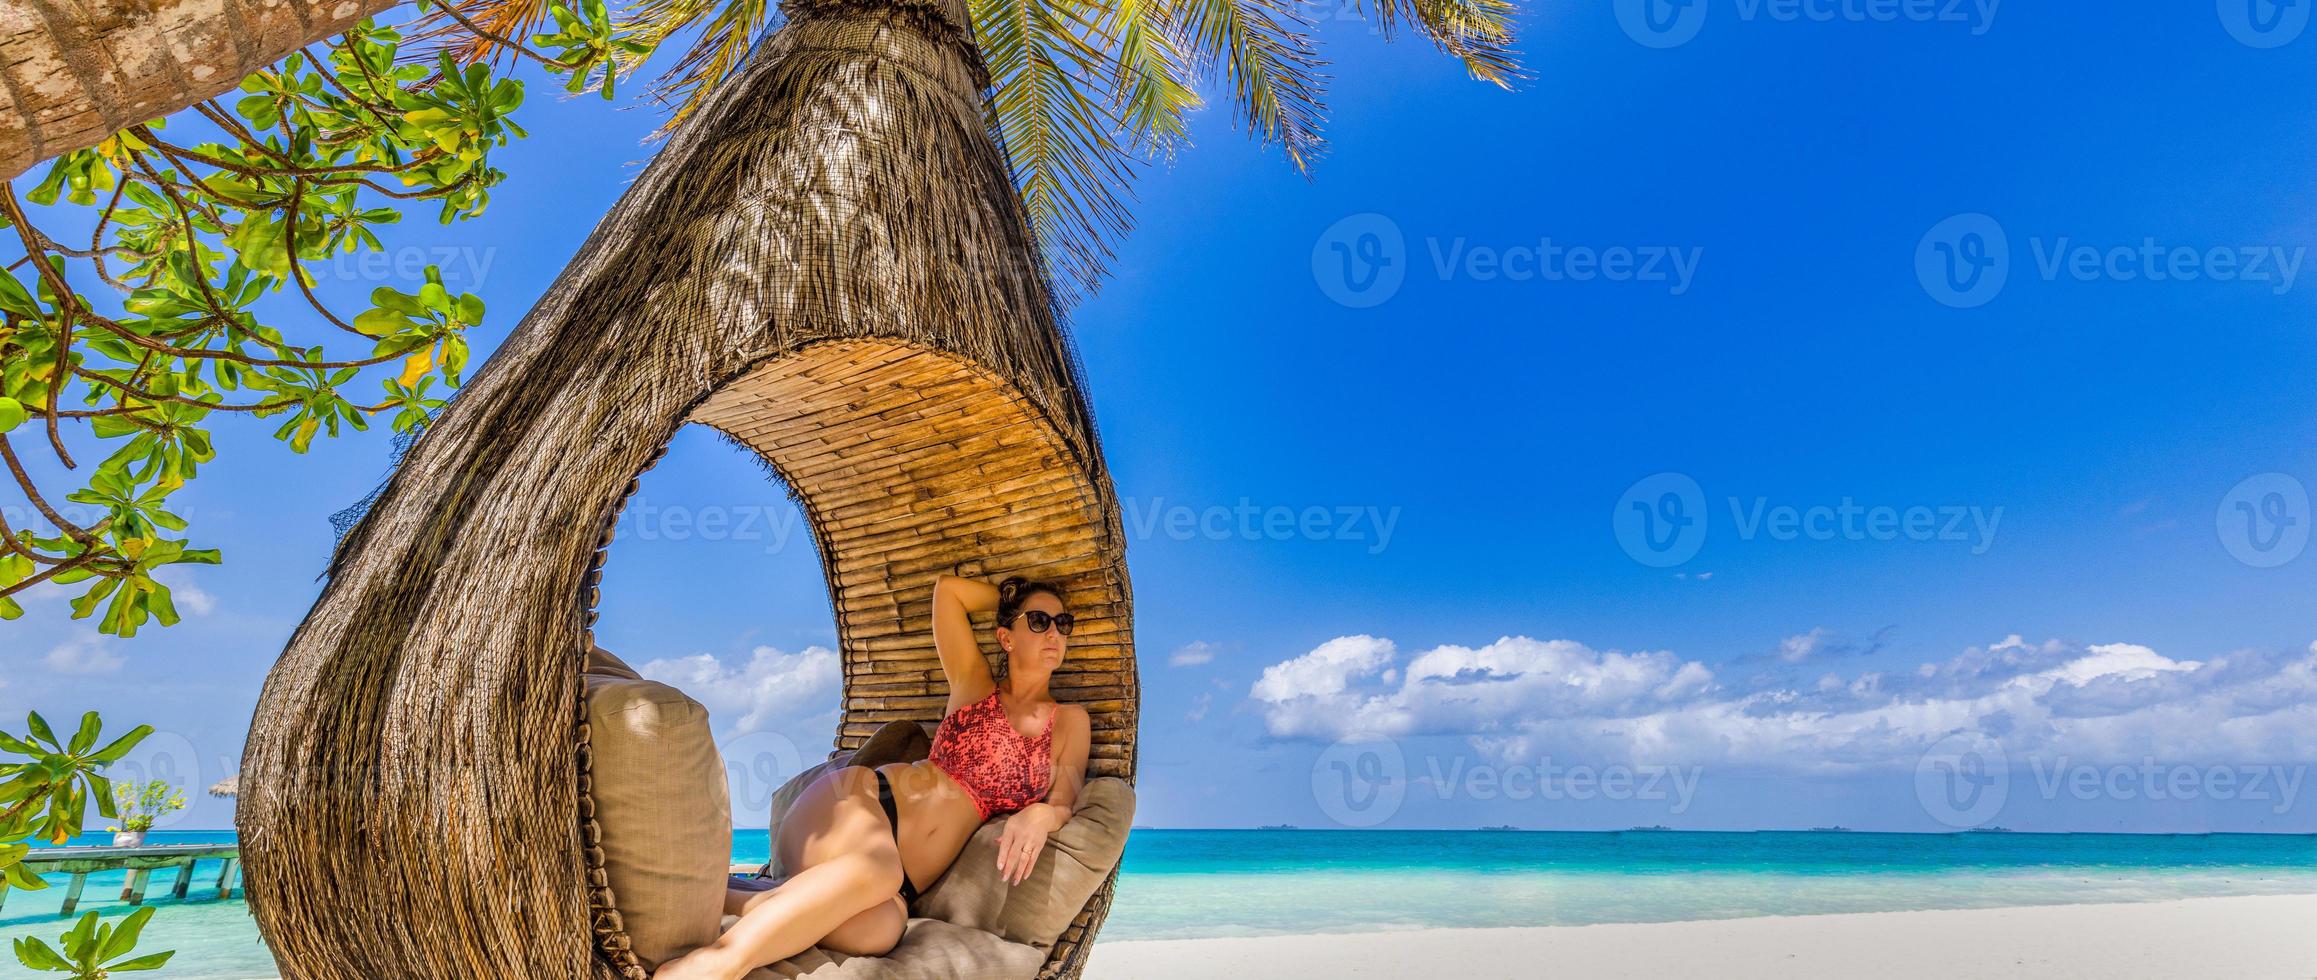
column 1040, row 619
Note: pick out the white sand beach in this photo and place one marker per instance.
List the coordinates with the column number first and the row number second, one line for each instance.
column 2204, row 938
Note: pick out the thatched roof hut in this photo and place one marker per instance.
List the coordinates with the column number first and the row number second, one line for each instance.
column 828, row 262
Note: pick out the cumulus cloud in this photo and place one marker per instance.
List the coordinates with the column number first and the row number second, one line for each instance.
column 1192, row 654
column 770, row 686
column 1521, row 698
column 88, row 652
column 1326, row 671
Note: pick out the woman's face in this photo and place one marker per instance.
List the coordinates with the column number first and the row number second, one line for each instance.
column 1030, row 648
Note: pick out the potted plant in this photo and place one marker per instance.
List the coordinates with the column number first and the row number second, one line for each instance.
column 139, row 806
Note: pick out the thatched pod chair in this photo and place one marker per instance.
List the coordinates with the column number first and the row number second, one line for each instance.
column 829, row 264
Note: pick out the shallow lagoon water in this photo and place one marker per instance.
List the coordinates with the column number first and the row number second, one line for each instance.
column 1183, row 884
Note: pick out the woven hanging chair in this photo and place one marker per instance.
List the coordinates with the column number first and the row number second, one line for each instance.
column 829, row 264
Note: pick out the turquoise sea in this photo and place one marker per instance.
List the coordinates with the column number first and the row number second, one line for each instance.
column 1197, row 883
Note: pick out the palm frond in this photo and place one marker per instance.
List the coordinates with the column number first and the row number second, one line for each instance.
column 1262, row 48
column 724, row 43
column 1059, row 134
column 1476, row 32
column 1151, row 78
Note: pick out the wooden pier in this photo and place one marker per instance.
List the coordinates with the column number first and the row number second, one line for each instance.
column 140, row 862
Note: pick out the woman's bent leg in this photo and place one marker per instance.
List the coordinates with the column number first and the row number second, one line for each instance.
column 871, row 932
column 793, row 918
column 837, row 837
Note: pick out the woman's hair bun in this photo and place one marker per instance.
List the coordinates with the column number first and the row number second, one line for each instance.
column 1016, row 590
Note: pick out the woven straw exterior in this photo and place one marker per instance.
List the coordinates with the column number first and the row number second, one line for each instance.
column 827, row 263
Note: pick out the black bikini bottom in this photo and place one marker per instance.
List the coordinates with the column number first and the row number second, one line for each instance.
column 893, row 816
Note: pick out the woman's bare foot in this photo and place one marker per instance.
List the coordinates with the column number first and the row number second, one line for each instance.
column 705, row 963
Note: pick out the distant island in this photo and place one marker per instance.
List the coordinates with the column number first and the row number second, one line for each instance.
column 1277, row 826
column 1836, row 829
column 1501, row 826
column 1656, row 826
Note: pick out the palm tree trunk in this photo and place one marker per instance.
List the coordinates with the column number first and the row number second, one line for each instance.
column 73, row 72
column 411, row 794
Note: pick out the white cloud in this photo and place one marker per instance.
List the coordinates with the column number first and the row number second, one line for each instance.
column 1521, row 698
column 87, row 652
column 1192, row 654
column 1326, row 670
column 770, row 687
column 1799, row 647
column 1199, row 706
column 190, row 599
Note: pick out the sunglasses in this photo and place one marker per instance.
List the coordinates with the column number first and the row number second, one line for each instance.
column 1040, row 620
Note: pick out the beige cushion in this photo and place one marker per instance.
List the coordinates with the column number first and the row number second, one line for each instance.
column 662, row 803
column 1076, row 860
column 898, row 741
column 930, row 950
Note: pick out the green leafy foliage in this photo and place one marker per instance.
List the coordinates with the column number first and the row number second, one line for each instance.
column 140, row 805
column 46, row 795
column 192, row 237
column 93, row 949
column 313, row 158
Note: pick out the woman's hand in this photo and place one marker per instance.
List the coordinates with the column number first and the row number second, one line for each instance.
column 1024, row 839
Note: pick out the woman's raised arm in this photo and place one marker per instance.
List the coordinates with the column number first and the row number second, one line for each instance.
column 954, row 597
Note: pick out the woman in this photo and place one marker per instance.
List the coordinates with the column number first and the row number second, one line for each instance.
column 859, row 841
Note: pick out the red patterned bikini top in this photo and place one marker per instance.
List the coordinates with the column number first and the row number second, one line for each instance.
column 1000, row 769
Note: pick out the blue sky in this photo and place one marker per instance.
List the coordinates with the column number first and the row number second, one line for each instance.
column 2047, row 571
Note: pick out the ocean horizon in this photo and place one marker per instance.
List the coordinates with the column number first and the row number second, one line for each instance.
column 1183, row 883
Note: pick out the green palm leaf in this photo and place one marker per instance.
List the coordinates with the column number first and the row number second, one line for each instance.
column 1081, row 90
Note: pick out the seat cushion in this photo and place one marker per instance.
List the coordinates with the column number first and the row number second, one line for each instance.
column 662, row 804
column 1078, row 857
column 930, row 949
